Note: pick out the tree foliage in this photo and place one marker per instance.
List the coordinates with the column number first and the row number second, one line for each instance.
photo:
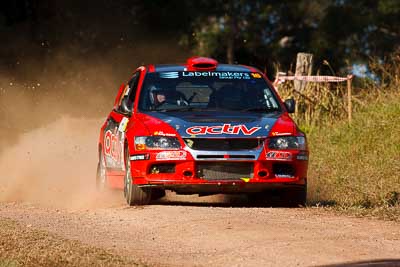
column 257, row 32
column 338, row 32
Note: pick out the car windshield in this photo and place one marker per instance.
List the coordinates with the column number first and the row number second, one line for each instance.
column 203, row 90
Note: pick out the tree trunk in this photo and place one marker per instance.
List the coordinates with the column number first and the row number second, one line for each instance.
column 230, row 50
column 230, row 47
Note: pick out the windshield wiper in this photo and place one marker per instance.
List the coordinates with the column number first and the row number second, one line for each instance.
column 186, row 108
column 260, row 109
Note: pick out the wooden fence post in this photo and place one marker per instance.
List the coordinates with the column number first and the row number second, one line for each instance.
column 303, row 68
column 349, row 95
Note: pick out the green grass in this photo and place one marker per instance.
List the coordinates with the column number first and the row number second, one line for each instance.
column 357, row 166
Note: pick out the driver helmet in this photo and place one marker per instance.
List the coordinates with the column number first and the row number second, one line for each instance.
column 154, row 92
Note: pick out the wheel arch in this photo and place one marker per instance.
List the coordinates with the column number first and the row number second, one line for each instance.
column 126, row 148
column 99, row 150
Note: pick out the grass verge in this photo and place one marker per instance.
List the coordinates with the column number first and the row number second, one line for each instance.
column 356, row 168
column 24, row 246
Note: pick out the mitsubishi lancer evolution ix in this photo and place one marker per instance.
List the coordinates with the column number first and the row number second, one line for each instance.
column 202, row 128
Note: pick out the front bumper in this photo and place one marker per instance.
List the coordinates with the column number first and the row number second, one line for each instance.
column 226, row 172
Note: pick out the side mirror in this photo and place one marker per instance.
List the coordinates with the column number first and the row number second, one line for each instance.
column 125, row 108
column 290, row 105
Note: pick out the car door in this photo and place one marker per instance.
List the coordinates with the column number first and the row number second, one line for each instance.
column 114, row 132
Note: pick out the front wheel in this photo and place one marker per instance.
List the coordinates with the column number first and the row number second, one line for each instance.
column 134, row 194
column 288, row 197
column 296, row 197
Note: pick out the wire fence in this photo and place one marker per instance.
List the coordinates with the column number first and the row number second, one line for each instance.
column 315, row 100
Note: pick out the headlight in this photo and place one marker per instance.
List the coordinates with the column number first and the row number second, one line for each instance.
column 287, row 142
column 156, row 142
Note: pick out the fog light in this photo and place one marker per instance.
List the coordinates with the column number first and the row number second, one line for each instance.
column 187, row 173
column 154, row 170
column 262, row 173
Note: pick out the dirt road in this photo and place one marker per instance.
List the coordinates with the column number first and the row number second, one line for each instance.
column 47, row 184
column 208, row 234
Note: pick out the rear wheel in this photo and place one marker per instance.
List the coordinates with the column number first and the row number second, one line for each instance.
column 101, row 176
column 134, row 194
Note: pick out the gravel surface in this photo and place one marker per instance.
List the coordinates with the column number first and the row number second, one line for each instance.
column 208, row 233
column 47, row 184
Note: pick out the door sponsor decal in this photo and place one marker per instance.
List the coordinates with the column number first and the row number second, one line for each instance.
column 113, row 143
column 113, row 146
column 222, row 129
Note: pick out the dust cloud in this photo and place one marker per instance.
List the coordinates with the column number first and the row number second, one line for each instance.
column 49, row 130
column 54, row 165
column 52, row 106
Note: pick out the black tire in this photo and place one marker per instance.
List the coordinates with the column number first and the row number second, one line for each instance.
column 296, row 197
column 157, row 193
column 134, row 194
column 288, row 197
column 101, row 175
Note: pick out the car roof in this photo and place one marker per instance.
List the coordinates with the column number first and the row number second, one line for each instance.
column 202, row 64
column 220, row 67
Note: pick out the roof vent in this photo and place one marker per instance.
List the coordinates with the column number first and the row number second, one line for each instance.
column 201, row 63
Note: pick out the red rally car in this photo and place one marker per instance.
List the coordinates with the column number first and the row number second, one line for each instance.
column 201, row 128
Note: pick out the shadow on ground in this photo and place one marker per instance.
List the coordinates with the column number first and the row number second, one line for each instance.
column 377, row 263
column 220, row 200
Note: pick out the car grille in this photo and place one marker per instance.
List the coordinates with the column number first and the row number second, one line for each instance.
column 222, row 144
column 225, row 170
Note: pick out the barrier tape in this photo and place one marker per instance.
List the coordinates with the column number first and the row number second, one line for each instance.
column 318, row 79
